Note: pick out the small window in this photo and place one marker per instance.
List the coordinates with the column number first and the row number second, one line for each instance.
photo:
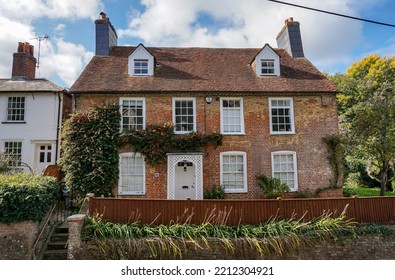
column 16, row 109
column 184, row 118
column 234, row 171
column 267, row 66
column 232, row 116
column 284, row 168
column 141, row 66
column 132, row 113
column 281, row 116
column 45, row 154
column 132, row 174
column 14, row 151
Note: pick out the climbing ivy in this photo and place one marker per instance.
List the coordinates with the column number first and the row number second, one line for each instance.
column 335, row 150
column 90, row 143
column 158, row 139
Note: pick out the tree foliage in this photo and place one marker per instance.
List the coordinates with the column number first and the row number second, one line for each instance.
column 367, row 114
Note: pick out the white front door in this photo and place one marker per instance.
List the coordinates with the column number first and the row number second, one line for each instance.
column 44, row 156
column 185, row 185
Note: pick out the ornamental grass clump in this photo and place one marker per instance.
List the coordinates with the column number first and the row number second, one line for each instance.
column 271, row 238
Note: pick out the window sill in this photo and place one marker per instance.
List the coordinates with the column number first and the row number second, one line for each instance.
column 13, row 122
column 131, row 194
column 236, row 191
column 283, row 133
column 234, row 134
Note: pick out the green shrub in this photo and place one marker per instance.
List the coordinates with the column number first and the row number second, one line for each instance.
column 4, row 162
column 215, row 192
column 349, row 192
column 272, row 187
column 90, row 142
column 25, row 197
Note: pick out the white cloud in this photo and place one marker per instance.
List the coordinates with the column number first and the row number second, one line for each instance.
column 60, row 60
column 252, row 23
column 64, row 59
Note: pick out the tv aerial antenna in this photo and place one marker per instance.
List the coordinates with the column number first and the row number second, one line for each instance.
column 39, row 39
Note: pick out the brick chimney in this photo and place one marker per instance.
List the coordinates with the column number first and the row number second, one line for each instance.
column 106, row 37
column 24, row 63
column 289, row 38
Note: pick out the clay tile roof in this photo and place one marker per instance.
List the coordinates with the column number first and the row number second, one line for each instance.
column 200, row 70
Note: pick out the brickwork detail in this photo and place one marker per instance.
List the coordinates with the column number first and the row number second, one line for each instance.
column 315, row 117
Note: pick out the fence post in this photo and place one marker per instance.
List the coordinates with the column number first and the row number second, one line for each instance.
column 76, row 223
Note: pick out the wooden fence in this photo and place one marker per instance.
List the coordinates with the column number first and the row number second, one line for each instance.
column 234, row 212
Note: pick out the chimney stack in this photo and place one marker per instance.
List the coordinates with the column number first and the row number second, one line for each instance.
column 289, row 38
column 24, row 62
column 106, row 37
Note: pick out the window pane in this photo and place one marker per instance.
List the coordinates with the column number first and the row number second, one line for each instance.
column 132, row 174
column 281, row 116
column 231, row 116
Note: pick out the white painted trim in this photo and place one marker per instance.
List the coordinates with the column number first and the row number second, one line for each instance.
column 295, row 166
column 291, row 104
column 120, row 192
column 241, row 113
column 174, row 113
column 245, row 187
column 121, row 99
column 172, row 160
column 141, row 53
column 267, row 53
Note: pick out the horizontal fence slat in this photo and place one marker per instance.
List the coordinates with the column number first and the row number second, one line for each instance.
column 235, row 212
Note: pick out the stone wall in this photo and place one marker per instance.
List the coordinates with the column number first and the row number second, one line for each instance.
column 367, row 247
column 17, row 240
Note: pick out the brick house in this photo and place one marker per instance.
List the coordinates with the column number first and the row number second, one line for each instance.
column 31, row 112
column 272, row 106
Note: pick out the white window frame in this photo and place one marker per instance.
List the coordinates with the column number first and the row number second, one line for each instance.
column 270, row 69
column 120, row 183
column 132, row 99
column 241, row 116
column 140, row 68
column 174, row 114
column 245, row 185
column 10, row 111
column 292, row 116
column 295, row 171
column 16, row 163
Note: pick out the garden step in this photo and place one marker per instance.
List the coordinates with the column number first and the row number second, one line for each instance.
column 57, row 245
column 59, row 237
column 55, row 255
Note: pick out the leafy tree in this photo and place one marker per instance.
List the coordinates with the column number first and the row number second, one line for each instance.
column 367, row 114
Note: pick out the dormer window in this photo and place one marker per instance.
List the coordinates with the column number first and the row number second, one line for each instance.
column 267, row 62
column 267, row 66
column 141, row 62
column 141, row 66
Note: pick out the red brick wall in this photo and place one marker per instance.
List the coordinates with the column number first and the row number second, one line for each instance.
column 315, row 117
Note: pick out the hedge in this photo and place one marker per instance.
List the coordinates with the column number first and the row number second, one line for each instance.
column 25, row 197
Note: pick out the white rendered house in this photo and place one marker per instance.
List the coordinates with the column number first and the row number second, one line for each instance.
column 31, row 113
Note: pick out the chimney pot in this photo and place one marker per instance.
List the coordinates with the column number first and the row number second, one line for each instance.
column 290, row 19
column 103, row 15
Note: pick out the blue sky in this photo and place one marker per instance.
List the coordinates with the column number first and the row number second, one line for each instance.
column 331, row 43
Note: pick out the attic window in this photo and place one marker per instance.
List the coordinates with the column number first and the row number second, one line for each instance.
column 141, row 66
column 267, row 66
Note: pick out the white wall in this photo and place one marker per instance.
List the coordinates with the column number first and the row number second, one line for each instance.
column 41, row 115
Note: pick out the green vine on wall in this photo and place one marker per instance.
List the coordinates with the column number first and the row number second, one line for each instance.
column 157, row 140
column 335, row 150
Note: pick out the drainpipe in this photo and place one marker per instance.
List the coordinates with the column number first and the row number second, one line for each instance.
column 58, row 126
